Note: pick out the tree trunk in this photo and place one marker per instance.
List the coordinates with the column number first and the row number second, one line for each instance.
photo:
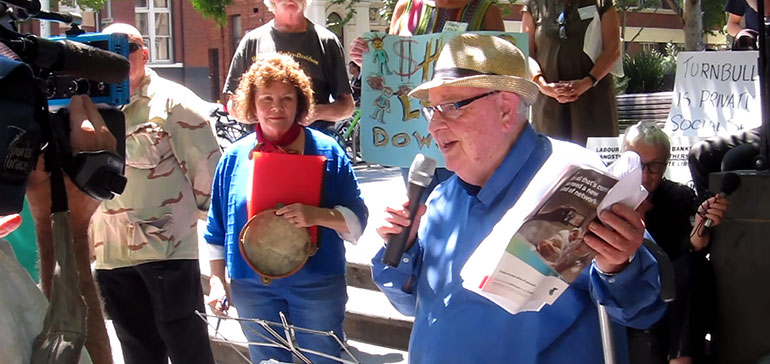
column 693, row 25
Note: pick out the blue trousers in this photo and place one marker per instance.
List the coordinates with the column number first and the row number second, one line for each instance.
column 317, row 305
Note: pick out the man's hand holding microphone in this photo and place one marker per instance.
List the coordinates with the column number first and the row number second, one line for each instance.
column 401, row 228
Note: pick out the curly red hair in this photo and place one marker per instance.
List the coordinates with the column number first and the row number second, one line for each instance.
column 272, row 67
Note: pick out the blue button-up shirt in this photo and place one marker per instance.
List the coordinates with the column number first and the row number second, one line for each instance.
column 454, row 325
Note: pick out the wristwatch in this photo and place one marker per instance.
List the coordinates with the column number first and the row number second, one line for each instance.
column 593, row 79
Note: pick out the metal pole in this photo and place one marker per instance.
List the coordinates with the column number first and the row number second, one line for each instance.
column 608, row 341
column 763, row 87
column 45, row 26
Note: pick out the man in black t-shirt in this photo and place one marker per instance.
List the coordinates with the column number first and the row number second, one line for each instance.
column 317, row 50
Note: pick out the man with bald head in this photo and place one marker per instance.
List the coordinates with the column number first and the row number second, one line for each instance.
column 145, row 240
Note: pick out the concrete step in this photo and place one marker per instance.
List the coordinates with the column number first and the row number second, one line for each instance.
column 226, row 353
column 370, row 318
column 229, row 344
column 359, row 275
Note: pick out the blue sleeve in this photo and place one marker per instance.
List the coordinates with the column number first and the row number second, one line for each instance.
column 632, row 297
column 349, row 193
column 399, row 284
column 215, row 223
column 737, row 7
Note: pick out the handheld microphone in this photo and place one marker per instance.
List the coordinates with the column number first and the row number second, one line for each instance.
column 420, row 176
column 77, row 59
column 730, row 183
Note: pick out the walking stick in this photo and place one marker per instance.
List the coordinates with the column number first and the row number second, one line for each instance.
column 667, row 294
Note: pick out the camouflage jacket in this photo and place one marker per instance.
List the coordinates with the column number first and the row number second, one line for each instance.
column 171, row 155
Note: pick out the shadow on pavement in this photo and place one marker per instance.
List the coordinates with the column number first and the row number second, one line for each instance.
column 369, row 174
column 367, row 358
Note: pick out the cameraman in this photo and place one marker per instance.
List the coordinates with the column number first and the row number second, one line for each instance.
column 23, row 304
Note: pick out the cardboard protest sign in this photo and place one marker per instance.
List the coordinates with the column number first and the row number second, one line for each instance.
column 715, row 93
column 678, row 169
column 393, row 129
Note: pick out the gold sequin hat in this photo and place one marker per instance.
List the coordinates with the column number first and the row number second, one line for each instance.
column 473, row 60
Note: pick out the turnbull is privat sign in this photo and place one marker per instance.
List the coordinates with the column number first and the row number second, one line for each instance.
column 715, row 93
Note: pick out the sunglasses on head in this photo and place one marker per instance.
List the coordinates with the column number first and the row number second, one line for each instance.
column 133, row 47
column 562, row 20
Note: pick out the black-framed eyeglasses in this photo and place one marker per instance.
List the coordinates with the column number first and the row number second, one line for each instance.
column 133, row 47
column 451, row 110
column 562, row 25
column 654, row 167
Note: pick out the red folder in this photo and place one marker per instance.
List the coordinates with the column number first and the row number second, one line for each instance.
column 280, row 178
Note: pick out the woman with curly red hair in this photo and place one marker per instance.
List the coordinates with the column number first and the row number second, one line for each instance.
column 277, row 95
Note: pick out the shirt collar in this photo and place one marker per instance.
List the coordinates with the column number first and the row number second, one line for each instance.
column 145, row 87
column 527, row 144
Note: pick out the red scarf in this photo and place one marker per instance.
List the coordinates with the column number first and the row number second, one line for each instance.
column 264, row 145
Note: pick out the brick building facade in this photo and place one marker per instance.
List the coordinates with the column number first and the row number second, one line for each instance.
column 196, row 52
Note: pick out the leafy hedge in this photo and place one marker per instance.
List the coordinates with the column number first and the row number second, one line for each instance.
column 648, row 71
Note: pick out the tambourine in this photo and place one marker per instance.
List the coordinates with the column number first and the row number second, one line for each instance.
column 274, row 247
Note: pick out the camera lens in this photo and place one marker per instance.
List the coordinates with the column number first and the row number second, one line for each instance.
column 79, row 86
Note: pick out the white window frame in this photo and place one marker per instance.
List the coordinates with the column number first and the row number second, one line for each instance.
column 151, row 11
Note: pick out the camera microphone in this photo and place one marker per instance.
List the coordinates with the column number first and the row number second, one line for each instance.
column 77, row 59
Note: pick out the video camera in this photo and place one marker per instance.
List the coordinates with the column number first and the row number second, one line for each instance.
column 46, row 74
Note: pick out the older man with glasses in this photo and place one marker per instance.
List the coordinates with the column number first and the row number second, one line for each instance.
column 477, row 111
column 145, row 240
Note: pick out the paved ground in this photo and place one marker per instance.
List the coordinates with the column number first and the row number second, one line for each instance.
column 380, row 187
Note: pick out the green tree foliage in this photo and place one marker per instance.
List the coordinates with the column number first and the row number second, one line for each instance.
column 216, row 9
column 83, row 4
column 213, row 9
column 349, row 7
column 714, row 18
column 712, row 15
column 386, row 11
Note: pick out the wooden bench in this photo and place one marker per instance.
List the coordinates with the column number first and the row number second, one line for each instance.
column 633, row 108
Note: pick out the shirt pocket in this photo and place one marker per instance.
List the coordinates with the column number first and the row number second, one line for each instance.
column 147, row 145
column 150, row 235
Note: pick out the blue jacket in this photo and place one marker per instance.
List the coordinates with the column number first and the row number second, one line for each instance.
column 227, row 214
column 454, row 325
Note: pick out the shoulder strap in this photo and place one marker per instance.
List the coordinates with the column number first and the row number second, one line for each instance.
column 604, row 5
column 474, row 13
column 427, row 17
column 403, row 20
